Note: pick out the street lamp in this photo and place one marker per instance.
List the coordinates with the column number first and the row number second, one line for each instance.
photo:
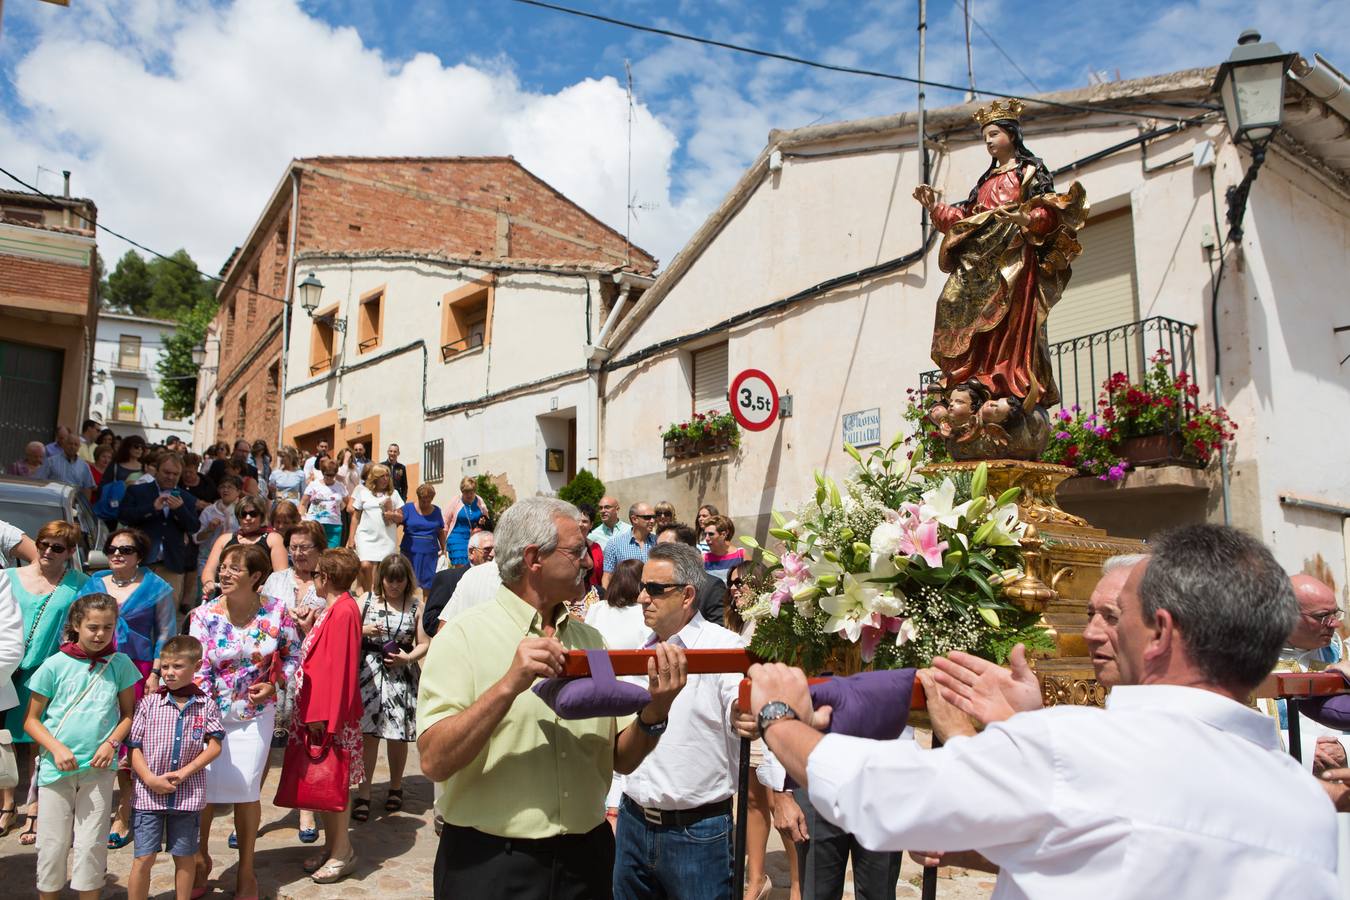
column 1251, row 84
column 199, row 355
column 309, row 290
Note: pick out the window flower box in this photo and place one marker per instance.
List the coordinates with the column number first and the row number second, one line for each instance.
column 703, row 435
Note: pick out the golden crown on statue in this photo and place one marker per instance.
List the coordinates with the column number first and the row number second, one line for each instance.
column 998, row 110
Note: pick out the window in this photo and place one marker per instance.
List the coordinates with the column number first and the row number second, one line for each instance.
column 124, row 404
column 252, row 295
column 466, row 322
column 710, row 379
column 370, row 321
column 273, row 388
column 241, row 417
column 322, row 342
column 279, row 244
column 433, row 461
column 129, row 351
column 229, row 325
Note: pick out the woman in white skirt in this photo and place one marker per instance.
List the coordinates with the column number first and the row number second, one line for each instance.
column 250, row 648
column 377, row 511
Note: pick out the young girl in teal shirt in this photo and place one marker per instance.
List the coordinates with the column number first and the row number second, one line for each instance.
column 79, row 714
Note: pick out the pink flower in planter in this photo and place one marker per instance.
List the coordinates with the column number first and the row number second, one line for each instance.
column 875, row 627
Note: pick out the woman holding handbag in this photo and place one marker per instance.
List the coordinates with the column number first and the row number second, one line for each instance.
column 44, row 590
column 324, row 754
column 250, row 648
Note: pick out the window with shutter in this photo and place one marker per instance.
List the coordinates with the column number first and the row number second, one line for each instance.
column 710, row 379
column 1102, row 294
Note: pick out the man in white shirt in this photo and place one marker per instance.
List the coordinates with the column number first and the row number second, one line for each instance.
column 1177, row 789
column 673, row 836
column 312, row 462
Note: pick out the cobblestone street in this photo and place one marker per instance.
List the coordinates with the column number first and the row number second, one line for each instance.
column 396, row 851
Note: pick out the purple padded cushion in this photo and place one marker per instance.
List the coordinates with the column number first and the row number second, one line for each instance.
column 595, row 696
column 870, row 704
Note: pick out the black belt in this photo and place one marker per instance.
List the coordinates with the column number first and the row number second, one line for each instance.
column 678, row 818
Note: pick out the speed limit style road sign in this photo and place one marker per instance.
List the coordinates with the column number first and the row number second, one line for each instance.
column 754, row 400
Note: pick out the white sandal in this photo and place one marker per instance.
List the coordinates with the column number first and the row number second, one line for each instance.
column 335, row 870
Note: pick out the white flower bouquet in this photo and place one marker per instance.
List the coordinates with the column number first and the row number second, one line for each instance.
column 893, row 569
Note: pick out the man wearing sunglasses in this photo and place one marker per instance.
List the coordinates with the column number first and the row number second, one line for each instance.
column 673, row 836
column 637, row 543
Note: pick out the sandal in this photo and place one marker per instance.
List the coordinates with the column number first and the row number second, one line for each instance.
column 394, row 801
column 13, row 812
column 312, row 863
column 335, row 870
column 118, row 841
column 28, row 837
column 360, row 809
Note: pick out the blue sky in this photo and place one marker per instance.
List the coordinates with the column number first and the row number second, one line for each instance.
column 178, row 116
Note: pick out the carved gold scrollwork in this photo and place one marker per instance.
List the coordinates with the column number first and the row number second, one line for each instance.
column 1056, row 691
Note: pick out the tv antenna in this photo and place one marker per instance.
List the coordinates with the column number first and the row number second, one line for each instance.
column 633, row 204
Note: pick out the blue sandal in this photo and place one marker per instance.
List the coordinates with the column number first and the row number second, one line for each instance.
column 118, row 841
column 309, row 835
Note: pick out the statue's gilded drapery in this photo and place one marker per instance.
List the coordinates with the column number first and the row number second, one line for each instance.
column 1003, row 281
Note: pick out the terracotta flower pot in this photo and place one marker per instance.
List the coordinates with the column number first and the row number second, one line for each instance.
column 1151, row 450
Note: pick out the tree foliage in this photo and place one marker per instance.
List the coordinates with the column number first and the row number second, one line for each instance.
column 584, row 488
column 168, row 289
column 497, row 501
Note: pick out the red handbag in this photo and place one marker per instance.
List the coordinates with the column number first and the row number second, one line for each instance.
column 313, row 775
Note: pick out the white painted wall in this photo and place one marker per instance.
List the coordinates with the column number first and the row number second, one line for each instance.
column 538, row 331
column 109, row 372
column 862, row 346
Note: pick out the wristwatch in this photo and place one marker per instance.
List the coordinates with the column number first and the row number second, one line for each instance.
column 655, row 729
column 774, row 711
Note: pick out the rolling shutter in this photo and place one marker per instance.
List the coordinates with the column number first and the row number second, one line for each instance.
column 710, row 379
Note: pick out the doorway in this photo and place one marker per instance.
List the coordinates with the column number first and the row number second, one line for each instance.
column 30, row 396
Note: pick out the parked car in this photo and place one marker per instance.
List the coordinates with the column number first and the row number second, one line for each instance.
column 28, row 505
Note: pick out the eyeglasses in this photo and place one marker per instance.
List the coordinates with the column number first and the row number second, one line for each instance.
column 577, row 553
column 1328, row 620
column 488, row 552
column 710, row 534
column 657, row 588
column 122, row 550
column 250, row 514
column 735, row 582
column 302, row 548
column 234, row 570
column 649, row 518
column 45, row 546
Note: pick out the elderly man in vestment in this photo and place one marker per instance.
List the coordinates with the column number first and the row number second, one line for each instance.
column 1176, row 789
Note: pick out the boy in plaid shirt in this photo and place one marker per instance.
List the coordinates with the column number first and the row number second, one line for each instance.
column 174, row 734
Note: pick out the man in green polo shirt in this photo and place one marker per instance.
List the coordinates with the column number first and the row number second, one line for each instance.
column 524, row 792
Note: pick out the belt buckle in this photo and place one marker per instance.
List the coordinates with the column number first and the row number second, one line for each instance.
column 653, row 816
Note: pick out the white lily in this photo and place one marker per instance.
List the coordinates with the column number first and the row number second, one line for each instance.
column 906, row 633
column 849, row 607
column 940, row 503
column 1008, row 528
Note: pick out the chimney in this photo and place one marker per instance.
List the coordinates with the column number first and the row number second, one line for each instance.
column 65, row 212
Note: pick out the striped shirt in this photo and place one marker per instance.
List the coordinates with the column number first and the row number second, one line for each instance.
column 170, row 737
column 723, row 565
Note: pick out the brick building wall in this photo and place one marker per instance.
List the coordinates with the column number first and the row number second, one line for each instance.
column 40, row 282
column 488, row 207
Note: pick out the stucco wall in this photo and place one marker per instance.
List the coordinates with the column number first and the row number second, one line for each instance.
column 149, row 421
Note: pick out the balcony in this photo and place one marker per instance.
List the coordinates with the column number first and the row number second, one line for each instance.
column 1081, row 364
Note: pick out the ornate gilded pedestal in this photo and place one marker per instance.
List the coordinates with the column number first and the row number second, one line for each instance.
column 1064, row 556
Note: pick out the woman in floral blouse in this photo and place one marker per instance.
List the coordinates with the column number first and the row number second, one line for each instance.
column 250, row 649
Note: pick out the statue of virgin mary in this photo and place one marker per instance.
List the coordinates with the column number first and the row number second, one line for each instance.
column 1006, row 249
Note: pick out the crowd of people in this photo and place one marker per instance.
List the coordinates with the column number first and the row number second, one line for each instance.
column 311, row 606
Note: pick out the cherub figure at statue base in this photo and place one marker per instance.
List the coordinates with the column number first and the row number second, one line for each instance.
column 977, row 426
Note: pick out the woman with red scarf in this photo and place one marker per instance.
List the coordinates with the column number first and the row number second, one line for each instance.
column 328, row 700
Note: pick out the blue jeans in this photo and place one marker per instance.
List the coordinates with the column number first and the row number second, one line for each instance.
column 653, row 861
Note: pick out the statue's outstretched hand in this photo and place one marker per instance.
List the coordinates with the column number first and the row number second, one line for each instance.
column 925, row 195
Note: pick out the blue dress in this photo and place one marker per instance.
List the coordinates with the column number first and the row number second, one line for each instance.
column 457, row 544
column 420, row 542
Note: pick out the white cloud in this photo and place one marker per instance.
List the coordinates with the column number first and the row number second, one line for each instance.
column 178, row 121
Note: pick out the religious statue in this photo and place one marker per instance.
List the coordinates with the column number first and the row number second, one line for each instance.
column 1007, row 249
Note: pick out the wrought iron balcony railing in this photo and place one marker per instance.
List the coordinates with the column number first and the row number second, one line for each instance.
column 1081, row 364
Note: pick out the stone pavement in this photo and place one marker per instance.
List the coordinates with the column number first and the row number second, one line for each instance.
column 396, row 855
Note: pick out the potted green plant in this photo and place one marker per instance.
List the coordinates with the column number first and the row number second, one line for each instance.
column 704, row 433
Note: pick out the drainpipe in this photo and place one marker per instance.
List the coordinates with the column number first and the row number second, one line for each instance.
column 596, row 355
column 286, row 312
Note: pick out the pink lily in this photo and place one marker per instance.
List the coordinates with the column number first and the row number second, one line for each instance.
column 875, row 627
column 921, row 540
column 793, row 575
